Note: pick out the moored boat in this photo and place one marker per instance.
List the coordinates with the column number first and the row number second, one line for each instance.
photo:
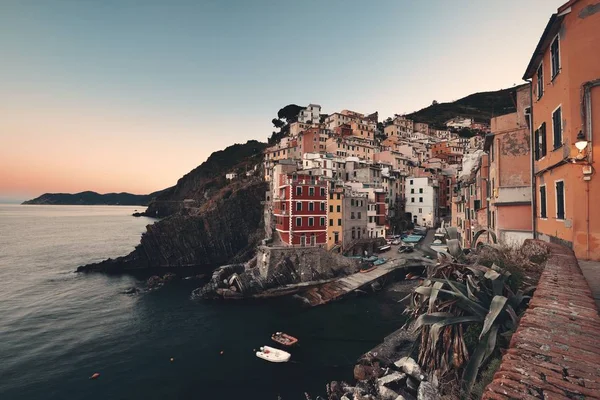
column 284, row 339
column 367, row 269
column 272, row 354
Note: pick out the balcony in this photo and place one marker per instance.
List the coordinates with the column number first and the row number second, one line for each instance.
column 513, row 195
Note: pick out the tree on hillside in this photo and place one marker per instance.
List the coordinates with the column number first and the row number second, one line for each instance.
column 285, row 116
column 290, row 113
column 466, row 132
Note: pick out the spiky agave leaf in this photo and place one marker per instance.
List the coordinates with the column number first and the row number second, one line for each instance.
column 497, row 305
column 482, row 351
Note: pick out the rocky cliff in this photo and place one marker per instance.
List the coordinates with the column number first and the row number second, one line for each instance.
column 206, row 219
column 227, row 228
column 200, row 184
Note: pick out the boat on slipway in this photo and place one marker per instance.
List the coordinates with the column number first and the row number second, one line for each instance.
column 272, row 354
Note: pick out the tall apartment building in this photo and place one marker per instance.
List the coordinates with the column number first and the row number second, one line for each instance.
column 565, row 74
column 300, row 210
column 422, row 200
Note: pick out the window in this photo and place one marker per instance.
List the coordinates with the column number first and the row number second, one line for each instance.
column 299, row 191
column 555, row 57
column 338, row 196
column 358, row 214
column 352, row 215
column 322, row 221
column 323, row 192
column 420, row 211
column 543, row 202
column 412, row 191
column 331, row 223
column 560, row 199
column 330, row 196
column 540, row 81
column 311, row 191
column 557, row 127
column 339, row 222
column 420, row 199
column 352, row 202
column 411, row 181
column 420, row 190
column 311, row 221
column 311, row 206
column 353, row 233
column 540, row 142
column 330, row 209
column 298, row 206
column 339, row 208
column 412, row 199
column 298, row 221
column 322, row 206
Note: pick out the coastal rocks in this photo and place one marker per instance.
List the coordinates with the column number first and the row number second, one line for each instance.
column 367, row 372
column 410, row 367
column 131, row 290
column 222, row 230
column 276, row 271
column 427, row 392
column 156, row 281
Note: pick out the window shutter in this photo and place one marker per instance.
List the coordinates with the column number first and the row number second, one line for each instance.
column 560, row 200
column 543, row 202
column 537, row 144
column 543, row 140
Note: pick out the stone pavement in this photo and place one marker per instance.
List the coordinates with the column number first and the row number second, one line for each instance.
column 591, row 272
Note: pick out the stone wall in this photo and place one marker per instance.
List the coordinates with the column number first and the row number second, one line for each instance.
column 555, row 352
column 309, row 262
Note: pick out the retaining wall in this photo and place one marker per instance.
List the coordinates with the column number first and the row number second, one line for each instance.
column 555, row 352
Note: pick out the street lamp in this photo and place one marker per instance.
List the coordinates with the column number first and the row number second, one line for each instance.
column 581, row 142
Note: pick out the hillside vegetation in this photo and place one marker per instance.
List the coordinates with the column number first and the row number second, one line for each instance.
column 480, row 106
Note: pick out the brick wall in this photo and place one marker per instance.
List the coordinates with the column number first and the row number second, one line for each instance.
column 555, row 353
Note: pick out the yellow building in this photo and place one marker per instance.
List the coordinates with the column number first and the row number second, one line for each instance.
column 335, row 216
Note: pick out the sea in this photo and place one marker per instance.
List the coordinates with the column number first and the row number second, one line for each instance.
column 59, row 327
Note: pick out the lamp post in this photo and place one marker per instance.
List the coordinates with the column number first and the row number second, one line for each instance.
column 581, row 142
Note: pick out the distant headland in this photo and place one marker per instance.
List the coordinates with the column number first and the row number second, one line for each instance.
column 89, row 198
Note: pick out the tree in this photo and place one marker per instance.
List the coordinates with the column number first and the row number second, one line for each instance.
column 290, row 113
column 434, row 103
column 277, row 123
column 466, row 132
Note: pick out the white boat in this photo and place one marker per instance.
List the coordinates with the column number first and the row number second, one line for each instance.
column 273, row 355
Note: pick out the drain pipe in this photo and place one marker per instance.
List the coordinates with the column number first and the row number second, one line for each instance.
column 531, row 163
column 586, row 113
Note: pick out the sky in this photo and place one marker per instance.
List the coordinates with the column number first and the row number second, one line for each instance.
column 129, row 95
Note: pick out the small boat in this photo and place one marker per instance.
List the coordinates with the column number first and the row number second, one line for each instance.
column 384, row 248
column 284, row 339
column 272, row 354
column 365, row 270
column 379, row 261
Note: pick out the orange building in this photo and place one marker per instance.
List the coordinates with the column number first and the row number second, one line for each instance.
column 565, row 74
column 509, row 178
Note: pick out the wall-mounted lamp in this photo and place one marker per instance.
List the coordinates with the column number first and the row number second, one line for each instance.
column 581, row 142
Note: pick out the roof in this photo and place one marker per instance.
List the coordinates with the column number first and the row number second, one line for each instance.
column 550, row 31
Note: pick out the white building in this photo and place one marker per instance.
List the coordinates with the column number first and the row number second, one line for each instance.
column 230, row 176
column 310, row 115
column 421, row 200
column 459, row 122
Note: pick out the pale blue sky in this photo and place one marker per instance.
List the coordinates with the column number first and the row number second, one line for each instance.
column 130, row 95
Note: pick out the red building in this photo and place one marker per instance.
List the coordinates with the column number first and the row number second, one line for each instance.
column 300, row 210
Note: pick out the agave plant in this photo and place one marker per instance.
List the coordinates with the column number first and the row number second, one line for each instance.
column 454, row 297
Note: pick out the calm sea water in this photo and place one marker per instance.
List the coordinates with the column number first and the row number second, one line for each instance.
column 58, row 327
